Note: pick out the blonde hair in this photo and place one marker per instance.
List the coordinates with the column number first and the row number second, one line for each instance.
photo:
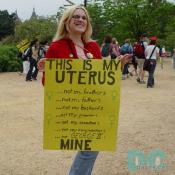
column 127, row 40
column 114, row 40
column 63, row 30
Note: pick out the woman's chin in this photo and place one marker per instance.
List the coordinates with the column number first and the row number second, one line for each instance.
column 79, row 31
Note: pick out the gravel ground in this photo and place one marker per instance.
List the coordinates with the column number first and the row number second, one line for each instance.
column 147, row 122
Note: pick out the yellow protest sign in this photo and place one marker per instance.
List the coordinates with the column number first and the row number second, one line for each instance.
column 81, row 104
column 23, row 45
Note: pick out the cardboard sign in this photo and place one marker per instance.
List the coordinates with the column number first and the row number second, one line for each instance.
column 81, row 104
column 23, row 45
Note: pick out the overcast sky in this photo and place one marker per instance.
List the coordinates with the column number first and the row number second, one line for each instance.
column 42, row 7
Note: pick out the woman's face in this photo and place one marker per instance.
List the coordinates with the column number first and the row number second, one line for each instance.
column 78, row 23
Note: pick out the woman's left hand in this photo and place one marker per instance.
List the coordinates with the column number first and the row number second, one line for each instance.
column 41, row 64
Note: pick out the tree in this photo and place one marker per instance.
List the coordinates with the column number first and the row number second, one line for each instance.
column 170, row 35
column 42, row 28
column 7, row 24
column 130, row 18
column 95, row 12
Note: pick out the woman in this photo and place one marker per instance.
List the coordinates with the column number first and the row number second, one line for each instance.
column 152, row 53
column 115, row 50
column 73, row 40
column 106, row 47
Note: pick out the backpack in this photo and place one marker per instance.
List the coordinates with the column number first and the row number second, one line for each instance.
column 124, row 49
column 105, row 50
column 139, row 50
column 160, row 52
column 27, row 53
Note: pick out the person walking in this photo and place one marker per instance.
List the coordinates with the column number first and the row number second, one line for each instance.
column 33, row 59
column 162, row 54
column 134, row 62
column 140, row 57
column 126, row 49
column 152, row 53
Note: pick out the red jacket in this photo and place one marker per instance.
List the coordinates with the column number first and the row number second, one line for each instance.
column 65, row 48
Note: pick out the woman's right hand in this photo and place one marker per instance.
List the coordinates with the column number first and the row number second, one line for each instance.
column 41, row 64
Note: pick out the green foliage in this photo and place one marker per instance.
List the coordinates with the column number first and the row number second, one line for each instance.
column 119, row 18
column 8, row 59
column 43, row 29
column 7, row 24
column 8, row 40
column 95, row 11
column 130, row 18
column 170, row 35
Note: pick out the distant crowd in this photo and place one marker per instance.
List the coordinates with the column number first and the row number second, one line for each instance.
column 143, row 54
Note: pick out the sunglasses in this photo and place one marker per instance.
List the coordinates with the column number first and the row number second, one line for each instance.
column 77, row 17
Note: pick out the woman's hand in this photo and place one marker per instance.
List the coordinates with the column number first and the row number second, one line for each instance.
column 41, row 64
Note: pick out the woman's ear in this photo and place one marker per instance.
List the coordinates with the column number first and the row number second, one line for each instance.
column 67, row 26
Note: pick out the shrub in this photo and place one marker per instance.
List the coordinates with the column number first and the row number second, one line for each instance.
column 9, row 62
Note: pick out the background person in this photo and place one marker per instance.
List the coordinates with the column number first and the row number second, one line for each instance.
column 106, row 47
column 141, row 58
column 162, row 54
column 35, row 52
column 173, row 58
column 152, row 49
column 115, row 50
column 134, row 62
column 25, row 57
column 33, row 59
column 126, row 49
